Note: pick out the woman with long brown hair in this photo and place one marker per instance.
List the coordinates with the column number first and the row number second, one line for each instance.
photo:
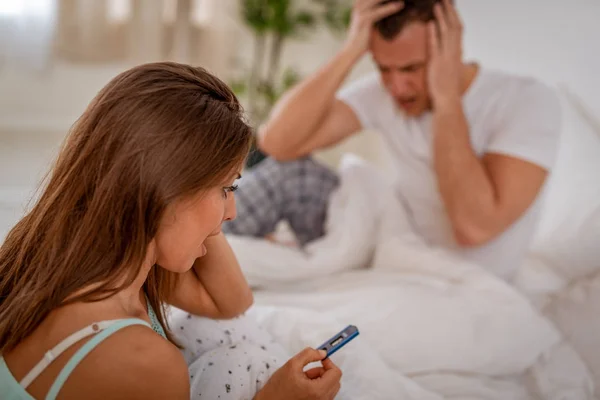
column 135, row 200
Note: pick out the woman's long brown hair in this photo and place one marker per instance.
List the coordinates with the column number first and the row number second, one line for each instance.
column 155, row 133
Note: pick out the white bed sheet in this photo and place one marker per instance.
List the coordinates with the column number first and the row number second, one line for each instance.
column 432, row 326
column 386, row 358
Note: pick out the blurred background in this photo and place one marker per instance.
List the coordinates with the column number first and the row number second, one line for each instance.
column 56, row 54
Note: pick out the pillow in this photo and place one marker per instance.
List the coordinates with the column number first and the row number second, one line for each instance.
column 575, row 312
column 567, row 239
column 573, row 251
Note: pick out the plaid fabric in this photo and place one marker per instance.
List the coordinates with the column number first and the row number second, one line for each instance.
column 296, row 191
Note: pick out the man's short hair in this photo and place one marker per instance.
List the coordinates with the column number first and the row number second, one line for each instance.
column 414, row 10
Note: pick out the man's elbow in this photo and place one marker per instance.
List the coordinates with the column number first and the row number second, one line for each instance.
column 275, row 150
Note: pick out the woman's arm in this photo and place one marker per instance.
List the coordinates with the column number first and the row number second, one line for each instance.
column 215, row 287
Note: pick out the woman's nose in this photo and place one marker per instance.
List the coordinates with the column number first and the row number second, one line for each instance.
column 230, row 210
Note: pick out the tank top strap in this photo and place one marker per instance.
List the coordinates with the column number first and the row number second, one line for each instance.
column 86, row 349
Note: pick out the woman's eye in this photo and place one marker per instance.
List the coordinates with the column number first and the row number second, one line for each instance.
column 228, row 189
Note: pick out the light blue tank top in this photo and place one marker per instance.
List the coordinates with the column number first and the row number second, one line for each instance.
column 11, row 389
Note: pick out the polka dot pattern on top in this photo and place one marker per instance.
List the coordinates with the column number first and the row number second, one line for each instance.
column 227, row 359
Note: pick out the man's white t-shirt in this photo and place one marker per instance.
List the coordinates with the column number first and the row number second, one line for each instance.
column 511, row 115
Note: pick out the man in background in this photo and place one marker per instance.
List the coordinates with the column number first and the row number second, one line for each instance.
column 472, row 147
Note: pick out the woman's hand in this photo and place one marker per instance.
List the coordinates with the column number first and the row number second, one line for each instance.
column 290, row 382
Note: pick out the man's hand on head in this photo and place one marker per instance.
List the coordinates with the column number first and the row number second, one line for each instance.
column 445, row 57
column 365, row 13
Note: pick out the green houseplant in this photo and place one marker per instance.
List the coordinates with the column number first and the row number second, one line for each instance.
column 273, row 23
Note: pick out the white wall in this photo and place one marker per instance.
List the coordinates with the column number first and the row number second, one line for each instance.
column 556, row 40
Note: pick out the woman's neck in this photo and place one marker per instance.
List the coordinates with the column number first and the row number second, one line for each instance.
column 132, row 297
column 129, row 300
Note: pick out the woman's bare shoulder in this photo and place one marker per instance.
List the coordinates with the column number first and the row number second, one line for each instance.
column 134, row 363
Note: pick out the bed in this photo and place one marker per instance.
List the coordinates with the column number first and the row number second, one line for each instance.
column 434, row 326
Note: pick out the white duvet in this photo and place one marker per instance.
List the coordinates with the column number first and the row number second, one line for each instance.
column 432, row 326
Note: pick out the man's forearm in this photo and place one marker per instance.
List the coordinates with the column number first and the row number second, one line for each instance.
column 297, row 116
column 220, row 274
column 464, row 184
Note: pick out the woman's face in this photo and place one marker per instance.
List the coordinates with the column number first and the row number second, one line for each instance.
column 188, row 222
